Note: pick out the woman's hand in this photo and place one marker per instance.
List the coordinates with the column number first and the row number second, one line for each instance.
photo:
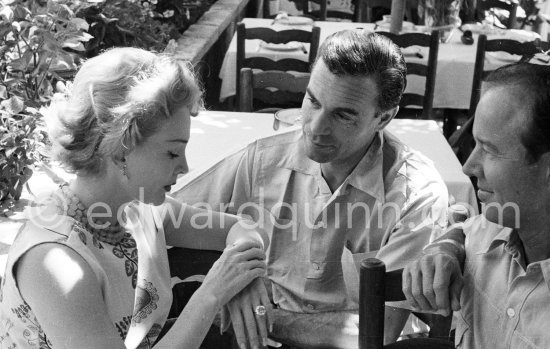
column 247, row 323
column 238, row 265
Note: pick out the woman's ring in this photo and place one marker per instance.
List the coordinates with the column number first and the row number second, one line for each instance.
column 260, row 310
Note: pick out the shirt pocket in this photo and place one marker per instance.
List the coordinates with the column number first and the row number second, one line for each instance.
column 521, row 342
column 461, row 331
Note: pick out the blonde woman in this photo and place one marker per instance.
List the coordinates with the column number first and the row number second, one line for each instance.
column 89, row 269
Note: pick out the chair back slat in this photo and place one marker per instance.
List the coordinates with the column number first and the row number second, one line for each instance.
column 417, row 69
column 428, row 70
column 411, row 99
column 512, row 46
column 286, row 64
column 309, row 35
column 408, row 39
column 278, row 37
column 522, row 49
column 280, row 80
column 279, row 97
column 271, row 88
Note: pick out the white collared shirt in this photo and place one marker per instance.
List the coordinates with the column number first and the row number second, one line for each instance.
column 391, row 205
column 503, row 304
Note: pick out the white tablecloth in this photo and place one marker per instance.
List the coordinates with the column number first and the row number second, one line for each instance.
column 215, row 135
column 455, row 67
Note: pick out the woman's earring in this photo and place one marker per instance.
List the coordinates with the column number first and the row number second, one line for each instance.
column 124, row 170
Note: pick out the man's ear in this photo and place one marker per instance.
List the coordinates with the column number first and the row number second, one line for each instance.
column 386, row 117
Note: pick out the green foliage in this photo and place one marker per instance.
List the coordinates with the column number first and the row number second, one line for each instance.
column 41, row 45
column 20, row 141
column 34, row 38
column 149, row 24
column 126, row 23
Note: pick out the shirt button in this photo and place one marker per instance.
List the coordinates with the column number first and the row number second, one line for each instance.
column 310, row 307
column 511, row 312
column 316, row 266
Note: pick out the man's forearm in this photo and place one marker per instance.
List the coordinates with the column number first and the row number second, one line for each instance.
column 320, row 330
column 331, row 329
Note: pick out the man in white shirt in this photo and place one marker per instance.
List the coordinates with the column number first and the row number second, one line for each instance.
column 499, row 282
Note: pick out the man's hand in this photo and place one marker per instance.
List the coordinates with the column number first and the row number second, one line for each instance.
column 433, row 283
column 248, row 326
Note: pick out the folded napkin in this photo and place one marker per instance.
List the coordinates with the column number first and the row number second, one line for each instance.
column 281, row 15
column 521, row 35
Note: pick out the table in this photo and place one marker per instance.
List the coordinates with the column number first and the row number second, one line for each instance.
column 455, row 66
column 215, row 135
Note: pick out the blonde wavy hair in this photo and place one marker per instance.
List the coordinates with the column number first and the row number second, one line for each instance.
column 117, row 100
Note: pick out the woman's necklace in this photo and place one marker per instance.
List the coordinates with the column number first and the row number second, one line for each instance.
column 70, row 205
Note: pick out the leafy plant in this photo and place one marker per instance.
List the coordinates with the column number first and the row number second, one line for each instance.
column 37, row 44
column 20, row 140
column 148, row 24
column 124, row 23
column 41, row 45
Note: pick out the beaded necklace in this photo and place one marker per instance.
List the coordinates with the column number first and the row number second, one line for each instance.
column 70, row 205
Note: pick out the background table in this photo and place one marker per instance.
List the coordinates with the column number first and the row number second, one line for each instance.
column 215, row 135
column 455, row 66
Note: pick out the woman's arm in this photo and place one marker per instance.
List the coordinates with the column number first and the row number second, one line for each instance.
column 237, row 267
column 197, row 228
column 66, row 298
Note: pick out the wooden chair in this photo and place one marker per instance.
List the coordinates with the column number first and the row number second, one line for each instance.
column 324, row 12
column 377, row 287
column 277, row 37
column 427, row 70
column 369, row 13
column 525, row 51
column 271, row 89
column 512, row 7
column 462, row 140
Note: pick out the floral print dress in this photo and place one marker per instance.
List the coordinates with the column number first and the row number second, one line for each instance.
column 133, row 274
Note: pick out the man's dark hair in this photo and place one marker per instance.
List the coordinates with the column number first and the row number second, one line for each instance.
column 361, row 53
column 534, row 81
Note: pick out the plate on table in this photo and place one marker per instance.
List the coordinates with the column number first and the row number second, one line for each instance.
column 479, row 28
column 521, row 35
column 289, row 46
column 385, row 26
column 290, row 116
column 294, row 20
column 473, row 27
column 503, row 56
